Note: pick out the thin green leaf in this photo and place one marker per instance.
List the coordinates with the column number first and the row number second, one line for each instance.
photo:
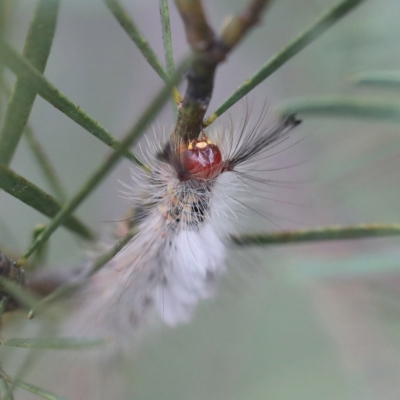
column 38, row 391
column 3, row 22
column 60, row 292
column 28, row 300
column 47, row 327
column 154, row 107
column 143, row 45
column 37, row 49
column 166, row 31
column 344, row 107
column 3, row 17
column 54, row 343
column 22, row 67
column 318, row 234
column 298, row 43
column 8, row 395
column 42, row 252
column 106, row 257
column 383, row 78
column 133, row 32
column 33, row 196
column 43, row 161
column 167, row 41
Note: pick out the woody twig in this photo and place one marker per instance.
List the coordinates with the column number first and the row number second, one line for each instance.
column 209, row 50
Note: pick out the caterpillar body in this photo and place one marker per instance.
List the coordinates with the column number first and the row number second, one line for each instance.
column 183, row 213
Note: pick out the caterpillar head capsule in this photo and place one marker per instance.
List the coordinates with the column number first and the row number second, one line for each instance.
column 203, row 159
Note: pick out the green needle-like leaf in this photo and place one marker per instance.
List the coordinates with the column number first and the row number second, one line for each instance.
column 298, row 43
column 33, row 196
column 133, row 32
column 43, row 161
column 105, row 258
column 344, row 107
column 54, row 343
column 166, row 30
column 8, row 395
column 32, row 388
column 41, row 158
column 3, row 20
column 143, row 45
column 22, row 67
column 169, row 57
column 382, row 78
column 318, row 234
column 39, row 391
column 37, row 49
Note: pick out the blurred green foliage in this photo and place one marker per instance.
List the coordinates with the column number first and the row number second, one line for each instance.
column 268, row 334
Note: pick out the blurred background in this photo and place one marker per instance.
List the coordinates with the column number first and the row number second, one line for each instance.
column 315, row 321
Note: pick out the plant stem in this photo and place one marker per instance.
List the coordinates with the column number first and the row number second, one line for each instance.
column 298, row 43
column 209, row 51
column 22, row 67
column 154, row 107
column 237, row 26
column 318, row 234
column 37, row 49
column 344, row 107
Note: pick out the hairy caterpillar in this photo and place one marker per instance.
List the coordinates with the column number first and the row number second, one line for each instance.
column 182, row 214
column 184, row 207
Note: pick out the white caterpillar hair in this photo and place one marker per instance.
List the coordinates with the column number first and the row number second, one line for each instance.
column 182, row 214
